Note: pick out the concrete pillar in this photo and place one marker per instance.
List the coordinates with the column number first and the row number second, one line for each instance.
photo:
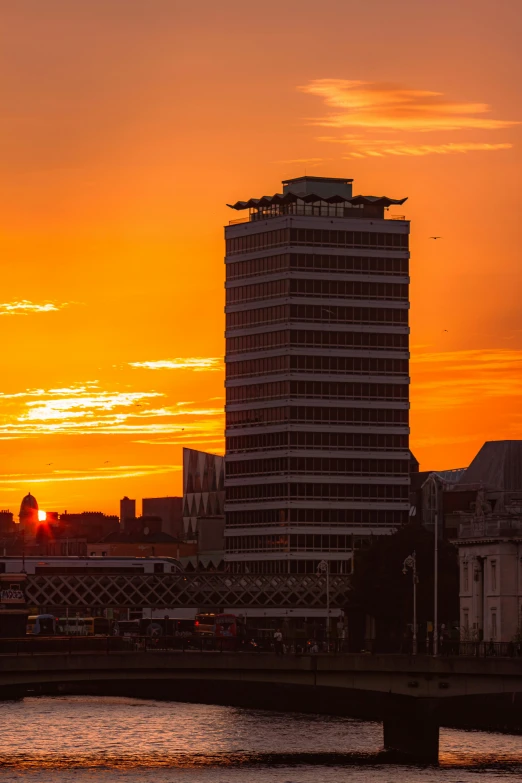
column 413, row 730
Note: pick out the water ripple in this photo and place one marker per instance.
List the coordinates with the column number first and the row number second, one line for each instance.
column 80, row 737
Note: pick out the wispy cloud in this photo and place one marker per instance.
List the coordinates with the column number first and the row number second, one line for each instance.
column 380, row 148
column 97, row 474
column 88, row 409
column 309, row 162
column 383, row 105
column 452, row 379
column 25, row 307
column 196, row 363
column 77, row 406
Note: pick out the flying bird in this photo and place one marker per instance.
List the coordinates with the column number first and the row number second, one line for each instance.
column 435, row 237
column 106, row 462
column 48, row 463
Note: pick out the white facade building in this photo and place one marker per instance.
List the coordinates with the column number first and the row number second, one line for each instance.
column 490, row 560
column 490, row 545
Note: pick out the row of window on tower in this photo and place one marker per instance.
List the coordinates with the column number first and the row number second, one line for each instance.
column 282, row 466
column 262, row 341
column 285, row 567
column 316, row 238
column 326, row 289
column 310, row 542
column 323, row 390
column 316, row 415
column 323, row 314
column 319, row 492
column 316, row 262
column 349, row 517
column 331, row 441
column 346, row 365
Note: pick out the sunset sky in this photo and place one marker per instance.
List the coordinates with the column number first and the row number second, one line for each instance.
column 125, row 128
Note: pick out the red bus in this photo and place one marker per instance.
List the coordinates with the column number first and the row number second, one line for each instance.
column 211, row 624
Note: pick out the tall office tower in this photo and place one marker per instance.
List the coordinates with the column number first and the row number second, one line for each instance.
column 316, row 377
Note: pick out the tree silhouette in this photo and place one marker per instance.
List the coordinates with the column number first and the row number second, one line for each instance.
column 381, row 589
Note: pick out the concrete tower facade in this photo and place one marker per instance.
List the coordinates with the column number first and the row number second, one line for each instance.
column 317, row 374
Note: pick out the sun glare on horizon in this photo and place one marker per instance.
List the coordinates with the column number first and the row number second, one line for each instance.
column 42, row 515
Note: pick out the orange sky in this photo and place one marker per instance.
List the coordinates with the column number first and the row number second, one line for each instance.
column 126, row 125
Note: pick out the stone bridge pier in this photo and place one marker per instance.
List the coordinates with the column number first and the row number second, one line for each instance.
column 411, row 728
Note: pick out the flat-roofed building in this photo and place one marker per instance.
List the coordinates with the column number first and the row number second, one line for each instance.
column 169, row 510
column 317, row 376
column 127, row 510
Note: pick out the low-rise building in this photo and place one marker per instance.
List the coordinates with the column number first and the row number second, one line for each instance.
column 169, row 510
column 92, row 525
column 490, row 557
column 490, row 545
column 145, row 544
column 7, row 523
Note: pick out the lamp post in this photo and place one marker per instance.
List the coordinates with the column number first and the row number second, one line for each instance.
column 411, row 562
column 436, row 570
column 23, row 551
column 324, row 567
column 432, row 482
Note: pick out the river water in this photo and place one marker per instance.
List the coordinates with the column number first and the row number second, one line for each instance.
column 91, row 739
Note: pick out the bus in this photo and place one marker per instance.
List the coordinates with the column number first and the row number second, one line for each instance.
column 126, row 628
column 166, row 626
column 84, row 626
column 215, row 624
column 49, row 625
column 41, row 625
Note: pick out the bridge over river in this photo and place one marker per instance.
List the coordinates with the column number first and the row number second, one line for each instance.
column 411, row 695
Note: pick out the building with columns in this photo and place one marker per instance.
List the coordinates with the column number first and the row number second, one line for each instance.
column 490, row 545
column 490, row 557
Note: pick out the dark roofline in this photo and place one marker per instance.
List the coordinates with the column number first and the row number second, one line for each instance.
column 344, row 180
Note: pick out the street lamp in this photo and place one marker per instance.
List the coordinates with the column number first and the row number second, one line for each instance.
column 433, row 478
column 324, row 567
column 411, row 562
column 433, row 481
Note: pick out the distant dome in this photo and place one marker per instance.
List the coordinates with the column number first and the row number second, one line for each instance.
column 29, row 503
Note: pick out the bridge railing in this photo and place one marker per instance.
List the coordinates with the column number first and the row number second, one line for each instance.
column 488, row 649
column 447, row 647
column 69, row 645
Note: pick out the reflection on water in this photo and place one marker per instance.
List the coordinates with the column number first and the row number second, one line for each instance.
column 111, row 739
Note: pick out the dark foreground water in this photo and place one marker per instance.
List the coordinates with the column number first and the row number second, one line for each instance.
column 92, row 739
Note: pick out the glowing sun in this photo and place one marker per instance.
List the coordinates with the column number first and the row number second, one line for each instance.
column 42, row 516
